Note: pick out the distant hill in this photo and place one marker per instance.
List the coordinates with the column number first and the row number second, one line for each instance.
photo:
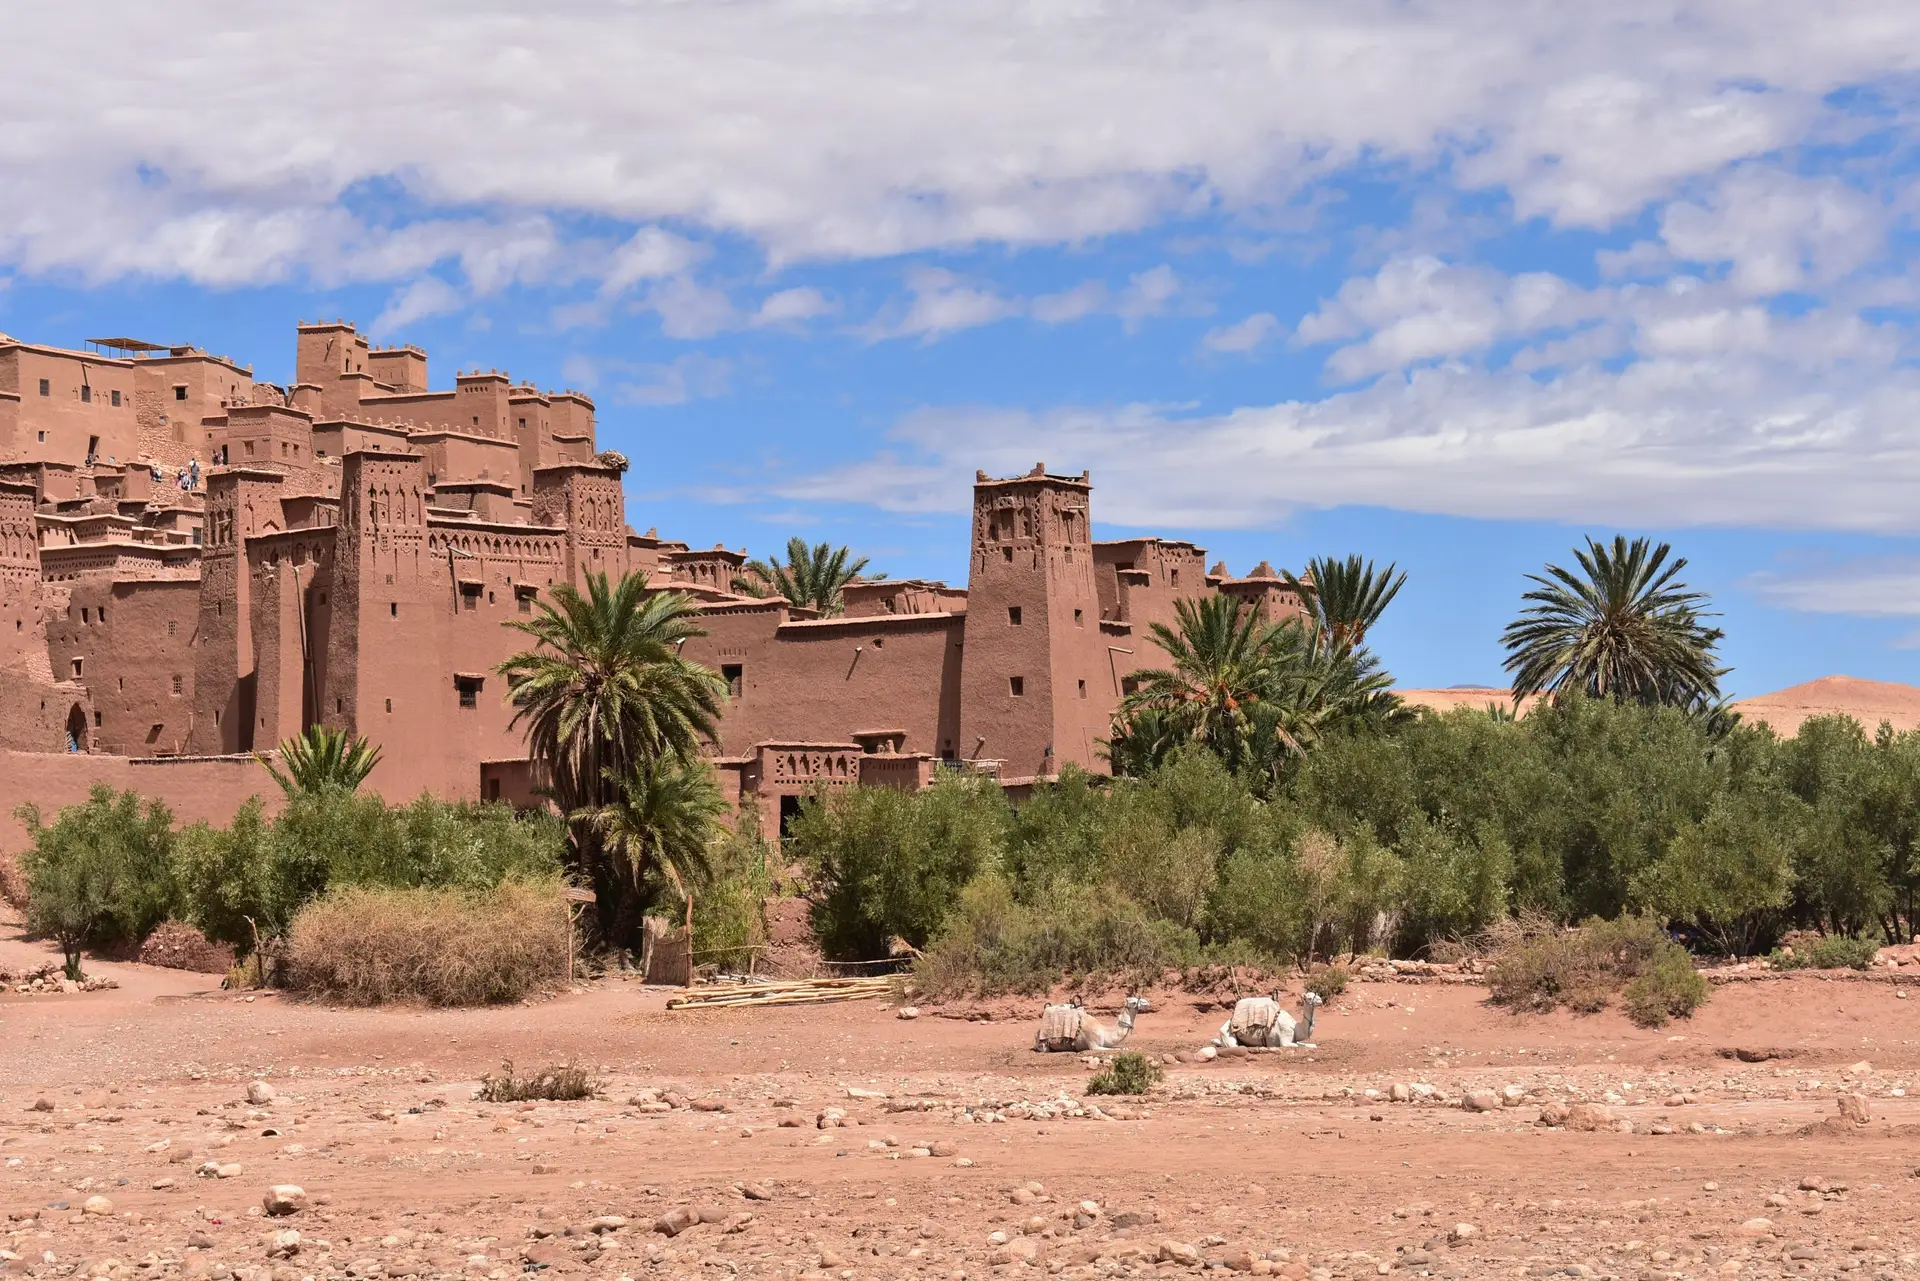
column 1868, row 702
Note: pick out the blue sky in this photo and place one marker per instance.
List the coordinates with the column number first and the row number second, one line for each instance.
column 1451, row 285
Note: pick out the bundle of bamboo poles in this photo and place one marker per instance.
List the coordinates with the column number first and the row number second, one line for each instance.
column 792, row 992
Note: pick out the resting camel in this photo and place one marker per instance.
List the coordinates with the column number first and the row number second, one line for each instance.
column 1068, row 1027
column 1259, row 1020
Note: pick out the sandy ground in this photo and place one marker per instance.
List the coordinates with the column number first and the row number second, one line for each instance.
column 1278, row 1163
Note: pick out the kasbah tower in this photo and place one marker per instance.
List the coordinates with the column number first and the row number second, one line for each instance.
column 196, row 565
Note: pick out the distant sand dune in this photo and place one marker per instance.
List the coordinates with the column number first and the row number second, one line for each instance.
column 1868, row 702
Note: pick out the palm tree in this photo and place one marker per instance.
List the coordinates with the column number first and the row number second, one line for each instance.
column 1226, row 658
column 811, row 577
column 1624, row 627
column 1345, row 598
column 661, row 820
column 1257, row 694
column 322, row 758
column 602, row 691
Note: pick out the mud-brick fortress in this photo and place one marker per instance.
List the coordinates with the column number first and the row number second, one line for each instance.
column 195, row 565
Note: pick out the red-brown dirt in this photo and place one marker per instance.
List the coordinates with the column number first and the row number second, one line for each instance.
column 1280, row 1161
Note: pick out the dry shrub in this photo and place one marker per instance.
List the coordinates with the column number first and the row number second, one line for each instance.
column 178, row 946
column 1538, row 966
column 13, row 883
column 363, row 946
column 568, row 1081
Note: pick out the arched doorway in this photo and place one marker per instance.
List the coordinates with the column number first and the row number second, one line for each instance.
column 77, row 729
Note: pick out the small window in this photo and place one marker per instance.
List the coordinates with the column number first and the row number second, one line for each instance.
column 79, row 665
column 43, row 438
column 171, row 625
column 523, row 596
column 1173, row 577
column 177, row 684
column 1013, row 616
column 46, row 387
column 116, row 405
column 1083, row 689
column 389, row 704
column 1017, row 686
column 470, row 596
column 249, row 445
column 96, row 720
column 216, row 719
column 735, row 677
column 469, row 687
column 180, row 392
column 339, row 704
column 86, row 615
column 86, row 394
column 103, row 613
column 393, row 609
column 523, row 424
column 153, row 732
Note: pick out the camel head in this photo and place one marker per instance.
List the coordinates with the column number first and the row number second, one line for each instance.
column 1131, row 1006
column 1308, row 1004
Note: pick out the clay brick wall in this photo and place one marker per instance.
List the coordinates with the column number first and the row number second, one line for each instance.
column 825, row 680
column 290, row 583
column 130, row 644
column 89, row 400
column 195, row 789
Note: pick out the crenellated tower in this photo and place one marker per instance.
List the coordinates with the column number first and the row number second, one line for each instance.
column 1033, row 691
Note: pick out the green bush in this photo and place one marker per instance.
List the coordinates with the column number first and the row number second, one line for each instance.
column 1129, row 1073
column 254, row 875
column 1668, row 988
column 1827, row 952
column 99, row 873
column 886, row 864
column 995, row 943
column 1328, row 981
column 729, row 919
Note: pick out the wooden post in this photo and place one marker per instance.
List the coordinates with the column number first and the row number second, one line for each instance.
column 575, row 899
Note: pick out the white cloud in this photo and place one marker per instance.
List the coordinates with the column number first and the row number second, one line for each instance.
column 1420, row 309
column 650, row 255
column 1083, row 300
column 225, row 151
column 943, row 303
column 427, row 296
column 694, row 376
column 1148, row 293
column 1777, row 231
column 1885, row 587
column 1774, row 428
column 794, row 307
column 1244, row 335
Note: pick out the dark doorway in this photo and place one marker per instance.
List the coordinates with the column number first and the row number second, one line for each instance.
column 789, row 810
column 77, row 729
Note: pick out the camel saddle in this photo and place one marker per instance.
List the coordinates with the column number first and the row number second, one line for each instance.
column 1060, row 1024
column 1254, row 1018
